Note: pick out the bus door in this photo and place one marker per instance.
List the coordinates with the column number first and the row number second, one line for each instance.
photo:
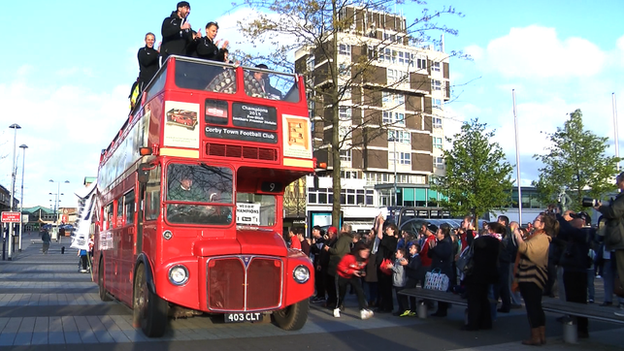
column 149, row 208
column 127, row 233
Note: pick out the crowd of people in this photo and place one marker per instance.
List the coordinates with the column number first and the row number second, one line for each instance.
column 496, row 268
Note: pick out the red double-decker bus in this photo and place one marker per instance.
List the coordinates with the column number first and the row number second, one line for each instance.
column 188, row 217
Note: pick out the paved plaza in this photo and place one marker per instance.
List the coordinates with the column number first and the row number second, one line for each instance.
column 46, row 304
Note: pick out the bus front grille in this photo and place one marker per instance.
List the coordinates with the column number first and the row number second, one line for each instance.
column 242, row 152
column 244, row 283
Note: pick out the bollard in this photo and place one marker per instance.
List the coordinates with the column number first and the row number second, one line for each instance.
column 421, row 310
column 570, row 335
column 62, row 250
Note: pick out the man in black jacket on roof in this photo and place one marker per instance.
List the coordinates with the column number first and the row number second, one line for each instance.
column 176, row 32
column 148, row 61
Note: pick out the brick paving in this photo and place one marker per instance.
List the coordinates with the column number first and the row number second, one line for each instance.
column 45, row 301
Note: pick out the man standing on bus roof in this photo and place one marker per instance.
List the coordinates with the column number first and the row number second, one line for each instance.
column 265, row 84
column 148, row 61
column 176, row 32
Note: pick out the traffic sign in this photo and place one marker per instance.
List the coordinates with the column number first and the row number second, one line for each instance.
column 10, row 217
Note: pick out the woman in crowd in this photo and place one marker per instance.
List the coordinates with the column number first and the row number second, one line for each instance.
column 533, row 273
column 350, row 269
column 442, row 255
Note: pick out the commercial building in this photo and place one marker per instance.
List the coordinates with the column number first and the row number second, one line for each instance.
column 391, row 117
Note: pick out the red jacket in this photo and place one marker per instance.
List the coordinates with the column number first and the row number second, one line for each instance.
column 424, row 258
column 349, row 265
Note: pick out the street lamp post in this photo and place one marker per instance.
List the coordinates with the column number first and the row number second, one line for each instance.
column 21, row 229
column 57, row 198
column 13, row 171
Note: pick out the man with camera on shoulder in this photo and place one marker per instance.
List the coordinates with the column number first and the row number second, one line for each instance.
column 614, row 231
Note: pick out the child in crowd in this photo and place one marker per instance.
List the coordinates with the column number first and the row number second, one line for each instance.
column 399, row 279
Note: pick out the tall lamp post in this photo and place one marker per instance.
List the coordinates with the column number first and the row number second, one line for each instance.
column 13, row 171
column 21, row 229
column 57, row 198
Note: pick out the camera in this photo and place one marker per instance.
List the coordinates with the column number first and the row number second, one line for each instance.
column 589, row 202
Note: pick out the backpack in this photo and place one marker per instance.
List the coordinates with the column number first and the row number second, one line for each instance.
column 465, row 263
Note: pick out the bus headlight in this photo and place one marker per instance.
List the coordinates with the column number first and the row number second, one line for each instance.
column 301, row 274
column 178, row 275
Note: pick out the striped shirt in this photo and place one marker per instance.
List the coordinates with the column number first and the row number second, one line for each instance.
column 533, row 264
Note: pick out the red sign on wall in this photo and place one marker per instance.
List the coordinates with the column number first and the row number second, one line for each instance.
column 10, row 217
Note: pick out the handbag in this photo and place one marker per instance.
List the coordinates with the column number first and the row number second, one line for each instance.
column 464, row 262
column 436, row 280
column 383, row 267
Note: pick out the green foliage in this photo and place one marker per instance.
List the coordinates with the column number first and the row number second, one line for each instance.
column 478, row 179
column 575, row 164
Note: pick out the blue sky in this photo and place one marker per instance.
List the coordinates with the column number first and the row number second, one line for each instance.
column 68, row 65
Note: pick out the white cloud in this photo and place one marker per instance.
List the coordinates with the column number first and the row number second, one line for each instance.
column 538, row 52
column 65, row 128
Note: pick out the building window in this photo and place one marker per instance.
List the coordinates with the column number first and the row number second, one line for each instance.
column 386, row 117
column 395, row 75
column 404, row 158
column 437, row 122
column 344, row 113
column 437, row 143
column 394, row 118
column 421, row 63
column 310, row 63
column 390, row 37
column 436, row 84
column 435, row 66
column 436, row 103
column 438, row 162
column 348, row 174
column 344, row 70
column 344, row 49
column 385, row 97
column 403, row 58
column 345, row 156
column 400, row 136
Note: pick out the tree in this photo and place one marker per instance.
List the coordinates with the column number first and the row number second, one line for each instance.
column 318, row 26
column 576, row 165
column 478, row 179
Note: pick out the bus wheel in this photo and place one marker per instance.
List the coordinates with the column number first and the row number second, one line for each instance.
column 150, row 311
column 103, row 293
column 292, row 317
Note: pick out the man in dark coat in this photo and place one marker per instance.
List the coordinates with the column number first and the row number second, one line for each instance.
column 176, row 32
column 575, row 260
column 614, row 232
column 148, row 61
column 337, row 250
column 481, row 276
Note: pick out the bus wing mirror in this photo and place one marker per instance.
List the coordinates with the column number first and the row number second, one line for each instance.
column 143, row 172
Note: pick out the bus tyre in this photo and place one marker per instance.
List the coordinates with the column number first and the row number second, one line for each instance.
column 103, row 293
column 149, row 310
column 292, row 317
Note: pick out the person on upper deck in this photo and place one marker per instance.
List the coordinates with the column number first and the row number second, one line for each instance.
column 265, row 84
column 207, row 48
column 148, row 61
column 176, row 32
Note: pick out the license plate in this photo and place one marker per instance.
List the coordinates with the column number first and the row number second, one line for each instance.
column 243, row 317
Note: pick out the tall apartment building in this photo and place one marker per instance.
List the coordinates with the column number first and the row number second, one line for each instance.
column 398, row 107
